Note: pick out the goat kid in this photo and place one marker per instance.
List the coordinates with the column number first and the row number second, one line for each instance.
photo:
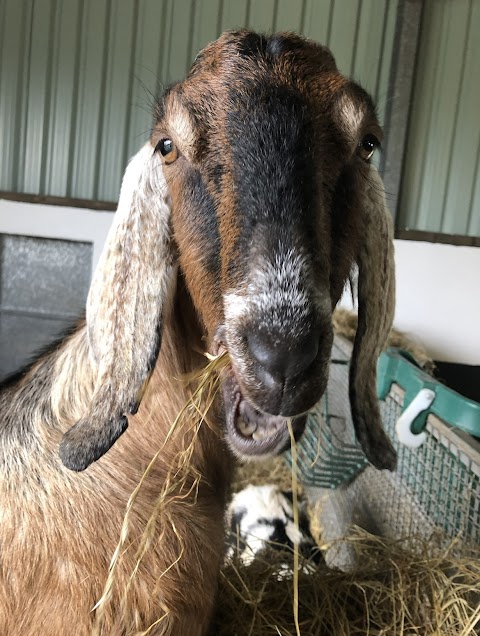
column 238, row 225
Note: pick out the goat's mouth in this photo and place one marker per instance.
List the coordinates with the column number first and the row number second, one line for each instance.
column 251, row 433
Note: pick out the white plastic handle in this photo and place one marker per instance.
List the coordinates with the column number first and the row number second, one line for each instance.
column 403, row 427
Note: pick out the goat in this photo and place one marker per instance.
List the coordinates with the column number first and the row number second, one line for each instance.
column 239, row 223
column 261, row 519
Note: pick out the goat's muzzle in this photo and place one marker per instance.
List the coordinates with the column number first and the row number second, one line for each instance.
column 269, row 381
column 250, row 432
column 282, row 358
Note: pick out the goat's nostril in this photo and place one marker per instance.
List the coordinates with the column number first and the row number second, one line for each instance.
column 283, row 357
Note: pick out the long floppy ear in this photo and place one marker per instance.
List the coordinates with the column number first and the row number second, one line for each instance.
column 376, row 305
column 130, row 293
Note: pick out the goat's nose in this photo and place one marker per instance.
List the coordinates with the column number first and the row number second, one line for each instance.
column 283, row 357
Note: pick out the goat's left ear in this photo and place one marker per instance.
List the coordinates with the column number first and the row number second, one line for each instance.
column 130, row 294
column 376, row 306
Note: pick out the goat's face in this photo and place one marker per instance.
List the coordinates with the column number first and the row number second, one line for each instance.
column 256, row 180
column 262, row 147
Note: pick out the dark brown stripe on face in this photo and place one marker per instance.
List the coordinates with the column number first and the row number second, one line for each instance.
column 272, row 166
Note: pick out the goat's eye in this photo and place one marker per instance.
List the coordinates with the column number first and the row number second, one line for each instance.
column 168, row 150
column 367, row 147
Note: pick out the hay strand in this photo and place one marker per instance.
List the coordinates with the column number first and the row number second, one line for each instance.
column 295, row 523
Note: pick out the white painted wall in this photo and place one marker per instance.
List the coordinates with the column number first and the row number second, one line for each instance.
column 438, row 298
column 438, row 290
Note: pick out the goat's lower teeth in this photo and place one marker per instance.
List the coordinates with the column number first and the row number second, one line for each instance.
column 262, row 433
column 246, row 428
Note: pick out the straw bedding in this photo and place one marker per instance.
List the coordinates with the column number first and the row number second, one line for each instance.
column 391, row 592
column 397, row 588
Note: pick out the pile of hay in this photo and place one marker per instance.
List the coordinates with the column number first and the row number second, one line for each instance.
column 393, row 591
column 269, row 471
column 397, row 588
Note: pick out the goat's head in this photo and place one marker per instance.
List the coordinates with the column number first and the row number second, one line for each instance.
column 261, row 157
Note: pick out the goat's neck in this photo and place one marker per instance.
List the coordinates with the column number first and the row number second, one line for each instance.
column 58, row 386
column 51, row 394
column 169, row 394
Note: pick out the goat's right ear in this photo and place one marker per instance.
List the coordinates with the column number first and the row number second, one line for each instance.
column 130, row 294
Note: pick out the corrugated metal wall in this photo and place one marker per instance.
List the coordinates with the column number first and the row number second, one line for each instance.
column 441, row 181
column 77, row 77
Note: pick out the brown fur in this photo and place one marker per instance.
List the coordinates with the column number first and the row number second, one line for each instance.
column 327, row 212
column 59, row 528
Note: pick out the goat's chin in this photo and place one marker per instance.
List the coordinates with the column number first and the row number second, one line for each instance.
column 250, row 433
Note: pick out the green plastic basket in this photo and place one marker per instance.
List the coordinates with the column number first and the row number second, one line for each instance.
column 436, row 487
column 449, row 406
column 328, row 454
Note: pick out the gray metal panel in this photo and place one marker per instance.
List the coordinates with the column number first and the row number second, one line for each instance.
column 43, row 289
column 366, row 62
column 86, row 134
column 234, row 15
column 117, row 94
column 382, row 92
column 396, row 110
column 13, row 23
column 207, row 23
column 458, row 211
column 150, row 31
column 37, row 96
column 317, row 20
column 44, row 276
column 261, row 15
column 60, row 120
column 78, row 76
column 343, row 33
column 289, row 16
column 448, row 75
